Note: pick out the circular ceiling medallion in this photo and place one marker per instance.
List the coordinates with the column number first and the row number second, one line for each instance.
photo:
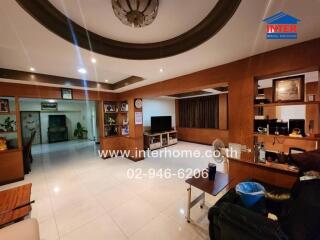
column 46, row 14
column 135, row 13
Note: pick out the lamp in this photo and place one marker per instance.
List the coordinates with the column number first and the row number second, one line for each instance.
column 136, row 13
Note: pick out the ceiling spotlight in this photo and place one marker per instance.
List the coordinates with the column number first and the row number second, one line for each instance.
column 82, row 70
column 161, row 70
column 32, row 69
column 93, row 60
column 106, row 80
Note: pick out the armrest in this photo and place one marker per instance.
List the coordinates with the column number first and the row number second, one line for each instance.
column 236, row 222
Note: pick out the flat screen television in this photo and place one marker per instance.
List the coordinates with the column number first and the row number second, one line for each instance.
column 161, row 124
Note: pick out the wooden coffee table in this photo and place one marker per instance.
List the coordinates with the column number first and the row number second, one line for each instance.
column 211, row 187
column 15, row 204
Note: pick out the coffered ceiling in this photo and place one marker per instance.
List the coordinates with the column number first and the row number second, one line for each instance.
column 25, row 43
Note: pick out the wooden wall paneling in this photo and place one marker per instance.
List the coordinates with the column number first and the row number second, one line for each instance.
column 240, row 115
column 135, row 141
column 223, row 111
column 11, row 163
column 32, row 91
column 18, row 122
column 177, row 113
column 202, row 135
column 312, row 110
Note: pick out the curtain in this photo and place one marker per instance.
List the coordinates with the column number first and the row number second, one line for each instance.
column 199, row 112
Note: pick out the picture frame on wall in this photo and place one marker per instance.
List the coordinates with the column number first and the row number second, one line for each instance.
column 288, row 89
column 4, row 106
column 66, row 93
column 47, row 106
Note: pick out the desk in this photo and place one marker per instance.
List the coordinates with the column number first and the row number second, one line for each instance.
column 212, row 187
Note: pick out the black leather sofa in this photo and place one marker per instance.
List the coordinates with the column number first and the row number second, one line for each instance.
column 298, row 216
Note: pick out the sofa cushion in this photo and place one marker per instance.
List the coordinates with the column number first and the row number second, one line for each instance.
column 301, row 219
column 26, row 230
column 307, row 161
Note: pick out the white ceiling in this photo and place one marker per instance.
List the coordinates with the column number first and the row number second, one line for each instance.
column 174, row 18
column 24, row 42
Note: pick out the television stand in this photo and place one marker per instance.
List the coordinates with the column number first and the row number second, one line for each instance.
column 154, row 141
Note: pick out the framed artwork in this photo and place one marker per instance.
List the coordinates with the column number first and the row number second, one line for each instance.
column 109, row 107
column 4, row 106
column 124, row 107
column 289, row 89
column 66, row 93
column 47, row 106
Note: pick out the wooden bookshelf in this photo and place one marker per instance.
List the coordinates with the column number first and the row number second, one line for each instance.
column 115, row 118
column 285, row 104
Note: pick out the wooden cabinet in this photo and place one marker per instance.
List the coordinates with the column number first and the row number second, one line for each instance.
column 11, row 160
column 160, row 140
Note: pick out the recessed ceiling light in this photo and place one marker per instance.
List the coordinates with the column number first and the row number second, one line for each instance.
column 106, row 80
column 93, row 60
column 82, row 70
column 32, row 69
column 161, row 70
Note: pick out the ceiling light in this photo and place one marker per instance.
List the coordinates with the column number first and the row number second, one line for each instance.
column 51, row 101
column 106, row 80
column 161, row 70
column 93, row 60
column 82, row 70
column 135, row 13
column 32, row 69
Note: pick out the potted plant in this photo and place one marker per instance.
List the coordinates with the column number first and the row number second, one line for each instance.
column 80, row 132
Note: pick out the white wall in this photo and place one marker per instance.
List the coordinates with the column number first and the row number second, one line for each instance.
column 158, row 107
column 75, row 111
column 291, row 112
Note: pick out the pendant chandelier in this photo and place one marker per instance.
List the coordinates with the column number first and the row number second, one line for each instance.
column 135, row 13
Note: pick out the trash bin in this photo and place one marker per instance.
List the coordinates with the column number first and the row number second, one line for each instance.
column 250, row 192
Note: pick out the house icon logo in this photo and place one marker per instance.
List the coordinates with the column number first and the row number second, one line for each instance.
column 281, row 26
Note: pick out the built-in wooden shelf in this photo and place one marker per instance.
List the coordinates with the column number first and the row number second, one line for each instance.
column 8, row 113
column 10, row 150
column 285, row 104
column 286, row 137
column 8, row 132
column 111, row 112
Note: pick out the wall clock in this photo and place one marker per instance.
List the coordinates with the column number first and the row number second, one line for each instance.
column 138, row 103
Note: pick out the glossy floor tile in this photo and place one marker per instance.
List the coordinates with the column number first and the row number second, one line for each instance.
column 80, row 196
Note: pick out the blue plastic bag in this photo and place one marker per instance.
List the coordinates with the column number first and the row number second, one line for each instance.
column 250, row 192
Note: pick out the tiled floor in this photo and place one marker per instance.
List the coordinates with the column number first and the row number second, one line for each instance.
column 80, row 196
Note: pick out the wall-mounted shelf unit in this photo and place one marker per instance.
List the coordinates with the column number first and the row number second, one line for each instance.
column 286, row 104
column 115, row 118
column 281, row 144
